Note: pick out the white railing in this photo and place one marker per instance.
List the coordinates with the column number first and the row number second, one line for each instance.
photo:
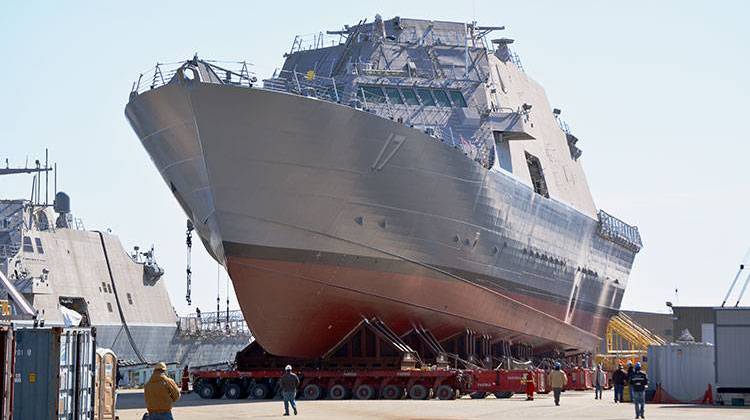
column 226, row 72
column 214, row 323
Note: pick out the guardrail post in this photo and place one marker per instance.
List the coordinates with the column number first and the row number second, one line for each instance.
column 335, row 91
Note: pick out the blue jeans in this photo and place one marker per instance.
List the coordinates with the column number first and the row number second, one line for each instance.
column 619, row 390
column 598, row 392
column 639, row 398
column 160, row 416
column 289, row 399
column 630, row 388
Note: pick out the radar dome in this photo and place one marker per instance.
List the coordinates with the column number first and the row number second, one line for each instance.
column 62, row 203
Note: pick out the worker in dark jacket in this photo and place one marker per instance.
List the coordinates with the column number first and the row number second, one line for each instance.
column 629, row 375
column 618, row 379
column 639, row 383
column 289, row 383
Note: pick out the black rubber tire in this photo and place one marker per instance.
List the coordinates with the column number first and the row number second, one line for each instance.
column 391, row 392
column 478, row 395
column 445, row 392
column 233, row 391
column 339, row 392
column 419, row 392
column 207, row 391
column 260, row 392
column 364, row 392
column 503, row 394
column 312, row 392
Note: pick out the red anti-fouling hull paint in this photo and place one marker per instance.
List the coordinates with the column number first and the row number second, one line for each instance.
column 302, row 309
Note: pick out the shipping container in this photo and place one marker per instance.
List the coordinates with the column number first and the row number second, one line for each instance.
column 7, row 364
column 732, row 335
column 684, row 371
column 54, row 374
column 105, row 399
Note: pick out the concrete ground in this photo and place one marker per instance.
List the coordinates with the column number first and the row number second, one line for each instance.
column 574, row 405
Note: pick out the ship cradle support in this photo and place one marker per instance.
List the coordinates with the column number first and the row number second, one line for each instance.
column 372, row 362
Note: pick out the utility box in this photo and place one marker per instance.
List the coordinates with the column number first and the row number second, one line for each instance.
column 105, row 399
column 732, row 336
column 7, row 366
column 54, row 375
column 683, row 370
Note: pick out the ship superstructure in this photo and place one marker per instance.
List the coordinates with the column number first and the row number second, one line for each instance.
column 78, row 277
column 408, row 170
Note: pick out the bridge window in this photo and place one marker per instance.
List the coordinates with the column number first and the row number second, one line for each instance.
column 27, row 246
column 393, row 96
column 109, row 306
column 372, row 94
column 409, row 96
column 39, row 247
column 458, row 98
column 442, row 98
column 537, row 175
column 130, row 298
column 426, row 97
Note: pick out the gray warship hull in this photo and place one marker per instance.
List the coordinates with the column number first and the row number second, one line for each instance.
column 324, row 214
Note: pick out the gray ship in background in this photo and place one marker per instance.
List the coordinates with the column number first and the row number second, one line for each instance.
column 78, row 277
column 403, row 169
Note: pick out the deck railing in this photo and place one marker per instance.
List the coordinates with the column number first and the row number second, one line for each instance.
column 236, row 73
column 619, row 232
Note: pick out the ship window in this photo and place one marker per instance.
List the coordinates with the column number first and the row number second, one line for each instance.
column 27, row 246
column 109, row 306
column 426, row 97
column 39, row 247
column 393, row 96
column 104, row 287
column 458, row 98
column 442, row 98
column 537, row 175
column 409, row 96
column 373, row 94
column 130, row 298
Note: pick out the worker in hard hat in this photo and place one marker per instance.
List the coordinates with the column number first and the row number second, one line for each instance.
column 629, row 373
column 530, row 384
column 288, row 384
column 160, row 393
column 618, row 379
column 639, row 383
column 599, row 381
column 557, row 380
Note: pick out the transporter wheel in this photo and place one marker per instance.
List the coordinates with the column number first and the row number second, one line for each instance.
column 418, row 392
column 207, row 390
column 503, row 394
column 233, row 391
column 260, row 392
column 445, row 392
column 364, row 392
column 338, row 392
column 312, row 392
column 478, row 395
column 392, row 392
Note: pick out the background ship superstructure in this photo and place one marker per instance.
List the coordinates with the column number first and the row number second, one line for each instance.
column 411, row 171
column 66, row 271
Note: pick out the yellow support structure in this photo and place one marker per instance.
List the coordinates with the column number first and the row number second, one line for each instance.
column 625, row 336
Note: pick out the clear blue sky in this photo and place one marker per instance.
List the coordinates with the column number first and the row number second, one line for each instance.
column 656, row 91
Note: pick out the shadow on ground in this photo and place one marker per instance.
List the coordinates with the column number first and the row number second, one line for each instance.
column 134, row 400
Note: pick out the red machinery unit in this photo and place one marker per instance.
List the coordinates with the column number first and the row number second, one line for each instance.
column 579, row 379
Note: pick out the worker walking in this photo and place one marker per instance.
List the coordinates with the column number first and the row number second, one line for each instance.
column 530, row 384
column 160, row 393
column 599, row 381
column 289, row 383
column 639, row 383
column 557, row 379
column 618, row 379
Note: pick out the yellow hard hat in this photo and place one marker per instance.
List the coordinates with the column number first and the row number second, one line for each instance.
column 161, row 366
